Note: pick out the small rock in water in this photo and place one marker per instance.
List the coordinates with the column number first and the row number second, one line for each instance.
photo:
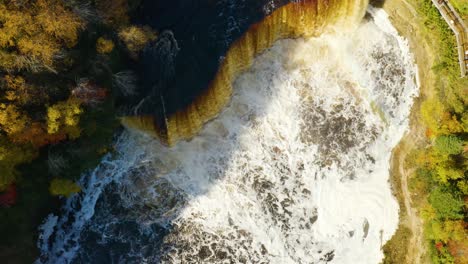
column 365, row 228
column 264, row 251
column 314, row 218
column 328, row 256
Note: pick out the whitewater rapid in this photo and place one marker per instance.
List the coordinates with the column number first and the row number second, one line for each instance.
column 294, row 170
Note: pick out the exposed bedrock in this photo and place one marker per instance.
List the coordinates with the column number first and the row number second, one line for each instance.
column 203, row 45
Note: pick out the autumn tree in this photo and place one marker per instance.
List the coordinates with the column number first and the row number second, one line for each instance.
column 135, row 38
column 12, row 120
column 32, row 33
column 88, row 92
column 64, row 117
column 104, row 46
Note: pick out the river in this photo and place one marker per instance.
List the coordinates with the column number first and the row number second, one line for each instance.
column 294, row 170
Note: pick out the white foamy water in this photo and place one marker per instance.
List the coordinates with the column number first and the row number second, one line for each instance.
column 294, row 170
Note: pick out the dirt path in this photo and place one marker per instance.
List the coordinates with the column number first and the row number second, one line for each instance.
column 416, row 249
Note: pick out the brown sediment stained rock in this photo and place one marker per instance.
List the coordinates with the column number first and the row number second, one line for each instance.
column 305, row 18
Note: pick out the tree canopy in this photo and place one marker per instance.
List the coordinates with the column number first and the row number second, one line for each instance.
column 33, row 33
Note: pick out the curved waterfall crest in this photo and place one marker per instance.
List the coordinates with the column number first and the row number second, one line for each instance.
column 304, row 18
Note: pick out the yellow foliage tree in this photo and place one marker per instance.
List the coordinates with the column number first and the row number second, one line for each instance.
column 135, row 38
column 16, row 86
column 17, row 91
column 448, row 171
column 33, row 32
column 442, row 164
column 12, row 120
column 431, row 112
column 463, row 187
column 446, row 230
column 65, row 117
column 450, row 124
column 104, row 46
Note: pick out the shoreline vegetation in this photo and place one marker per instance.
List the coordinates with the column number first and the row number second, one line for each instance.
column 428, row 174
column 63, row 66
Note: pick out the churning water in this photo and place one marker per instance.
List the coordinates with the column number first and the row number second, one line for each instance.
column 294, row 170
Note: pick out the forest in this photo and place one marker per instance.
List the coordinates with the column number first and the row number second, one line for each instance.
column 62, row 66
column 440, row 180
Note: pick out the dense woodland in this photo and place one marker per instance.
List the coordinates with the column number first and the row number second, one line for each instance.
column 441, row 173
column 62, row 64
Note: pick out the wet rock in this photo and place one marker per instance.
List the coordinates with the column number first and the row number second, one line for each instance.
column 221, row 255
column 328, row 256
column 263, row 250
column 204, row 252
column 277, row 150
column 314, row 218
column 365, row 228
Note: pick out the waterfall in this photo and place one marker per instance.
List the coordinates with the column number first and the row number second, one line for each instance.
column 294, row 168
column 305, row 18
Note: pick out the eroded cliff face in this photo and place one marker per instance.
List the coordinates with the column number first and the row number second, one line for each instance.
column 180, row 94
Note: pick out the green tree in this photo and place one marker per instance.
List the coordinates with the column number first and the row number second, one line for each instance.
column 11, row 155
column 64, row 187
column 448, row 145
column 446, row 205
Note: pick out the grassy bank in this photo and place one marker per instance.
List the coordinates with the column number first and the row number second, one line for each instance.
column 462, row 8
column 430, row 162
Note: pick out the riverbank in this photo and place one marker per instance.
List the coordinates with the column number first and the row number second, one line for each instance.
column 407, row 245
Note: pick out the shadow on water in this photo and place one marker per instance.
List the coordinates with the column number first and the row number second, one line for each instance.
column 196, row 34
